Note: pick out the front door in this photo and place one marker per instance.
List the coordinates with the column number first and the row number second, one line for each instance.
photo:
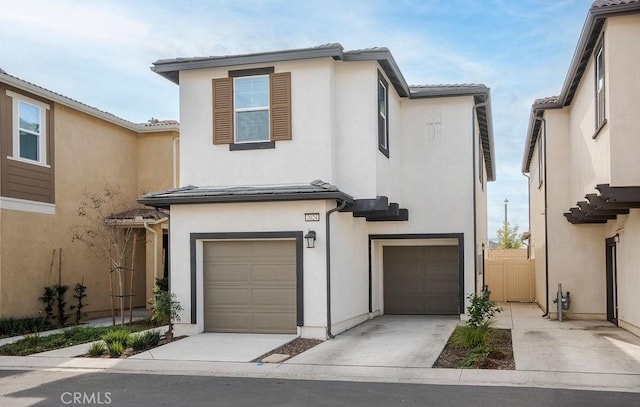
column 612, row 280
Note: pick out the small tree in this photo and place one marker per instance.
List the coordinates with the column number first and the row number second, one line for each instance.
column 108, row 239
column 166, row 309
column 508, row 237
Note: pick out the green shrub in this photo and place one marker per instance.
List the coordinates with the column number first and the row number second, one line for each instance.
column 136, row 342
column 20, row 326
column 116, row 336
column 97, row 349
column 482, row 308
column 472, row 337
column 115, row 349
column 32, row 340
column 151, row 338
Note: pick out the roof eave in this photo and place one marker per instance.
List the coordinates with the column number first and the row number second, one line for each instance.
column 537, row 112
column 74, row 104
column 592, row 26
column 166, row 201
column 170, row 69
column 385, row 59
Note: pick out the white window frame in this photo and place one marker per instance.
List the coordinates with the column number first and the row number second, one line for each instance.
column 42, row 138
column 251, row 109
column 383, row 114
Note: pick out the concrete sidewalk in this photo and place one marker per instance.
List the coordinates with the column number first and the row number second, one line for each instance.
column 592, row 355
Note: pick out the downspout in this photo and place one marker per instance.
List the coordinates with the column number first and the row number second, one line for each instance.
column 328, row 250
column 155, row 248
column 174, row 152
column 546, row 217
column 475, row 221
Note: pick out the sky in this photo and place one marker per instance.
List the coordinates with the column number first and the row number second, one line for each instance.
column 99, row 52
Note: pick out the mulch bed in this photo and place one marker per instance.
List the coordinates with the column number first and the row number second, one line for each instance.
column 293, row 348
column 500, row 357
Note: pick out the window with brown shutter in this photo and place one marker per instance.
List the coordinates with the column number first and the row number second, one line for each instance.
column 238, row 109
column 280, row 88
column 223, row 111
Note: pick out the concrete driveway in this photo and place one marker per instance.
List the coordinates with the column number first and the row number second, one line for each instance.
column 218, row 347
column 389, row 340
column 540, row 344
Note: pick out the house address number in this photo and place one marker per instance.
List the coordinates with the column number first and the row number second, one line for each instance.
column 312, row 217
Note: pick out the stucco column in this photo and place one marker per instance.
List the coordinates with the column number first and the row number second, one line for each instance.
column 153, row 272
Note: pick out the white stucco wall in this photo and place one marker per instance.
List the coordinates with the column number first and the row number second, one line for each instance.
column 303, row 159
column 429, row 172
column 248, row 217
column 356, row 128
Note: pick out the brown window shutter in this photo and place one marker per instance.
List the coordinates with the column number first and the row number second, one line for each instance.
column 280, row 109
column 223, row 111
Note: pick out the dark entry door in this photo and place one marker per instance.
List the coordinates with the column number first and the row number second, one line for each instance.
column 612, row 283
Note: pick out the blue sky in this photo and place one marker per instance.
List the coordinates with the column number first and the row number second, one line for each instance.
column 99, row 52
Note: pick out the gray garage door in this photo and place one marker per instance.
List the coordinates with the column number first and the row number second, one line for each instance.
column 421, row 280
column 250, row 286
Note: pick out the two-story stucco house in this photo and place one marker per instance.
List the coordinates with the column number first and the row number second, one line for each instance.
column 53, row 151
column 582, row 157
column 320, row 190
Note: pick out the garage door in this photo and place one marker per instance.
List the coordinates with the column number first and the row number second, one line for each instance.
column 421, row 280
column 250, row 286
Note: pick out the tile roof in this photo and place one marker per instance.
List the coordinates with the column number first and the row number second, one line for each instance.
column 75, row 104
column 550, row 100
column 598, row 13
column 609, row 3
column 145, row 213
column 261, row 193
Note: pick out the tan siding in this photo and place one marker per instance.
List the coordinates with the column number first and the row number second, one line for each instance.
column 23, row 180
column 222, row 111
column 280, row 87
column 5, row 136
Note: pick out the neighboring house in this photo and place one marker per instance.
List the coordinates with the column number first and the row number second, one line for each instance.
column 582, row 158
column 395, row 222
column 52, row 150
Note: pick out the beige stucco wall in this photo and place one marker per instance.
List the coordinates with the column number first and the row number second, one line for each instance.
column 89, row 154
column 537, row 241
column 623, row 97
column 578, row 159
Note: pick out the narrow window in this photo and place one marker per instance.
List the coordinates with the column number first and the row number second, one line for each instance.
column 541, row 162
column 600, row 105
column 251, row 109
column 383, row 116
column 29, row 129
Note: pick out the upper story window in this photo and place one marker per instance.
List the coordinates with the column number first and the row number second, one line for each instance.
column 383, row 115
column 599, row 96
column 29, row 129
column 252, row 108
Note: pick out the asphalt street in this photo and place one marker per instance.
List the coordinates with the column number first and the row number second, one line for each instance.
column 69, row 388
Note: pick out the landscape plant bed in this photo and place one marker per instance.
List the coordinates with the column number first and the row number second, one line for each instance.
column 498, row 354
column 76, row 335
column 293, row 348
column 129, row 351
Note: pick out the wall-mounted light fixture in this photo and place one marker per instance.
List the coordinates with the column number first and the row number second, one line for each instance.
column 310, row 237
